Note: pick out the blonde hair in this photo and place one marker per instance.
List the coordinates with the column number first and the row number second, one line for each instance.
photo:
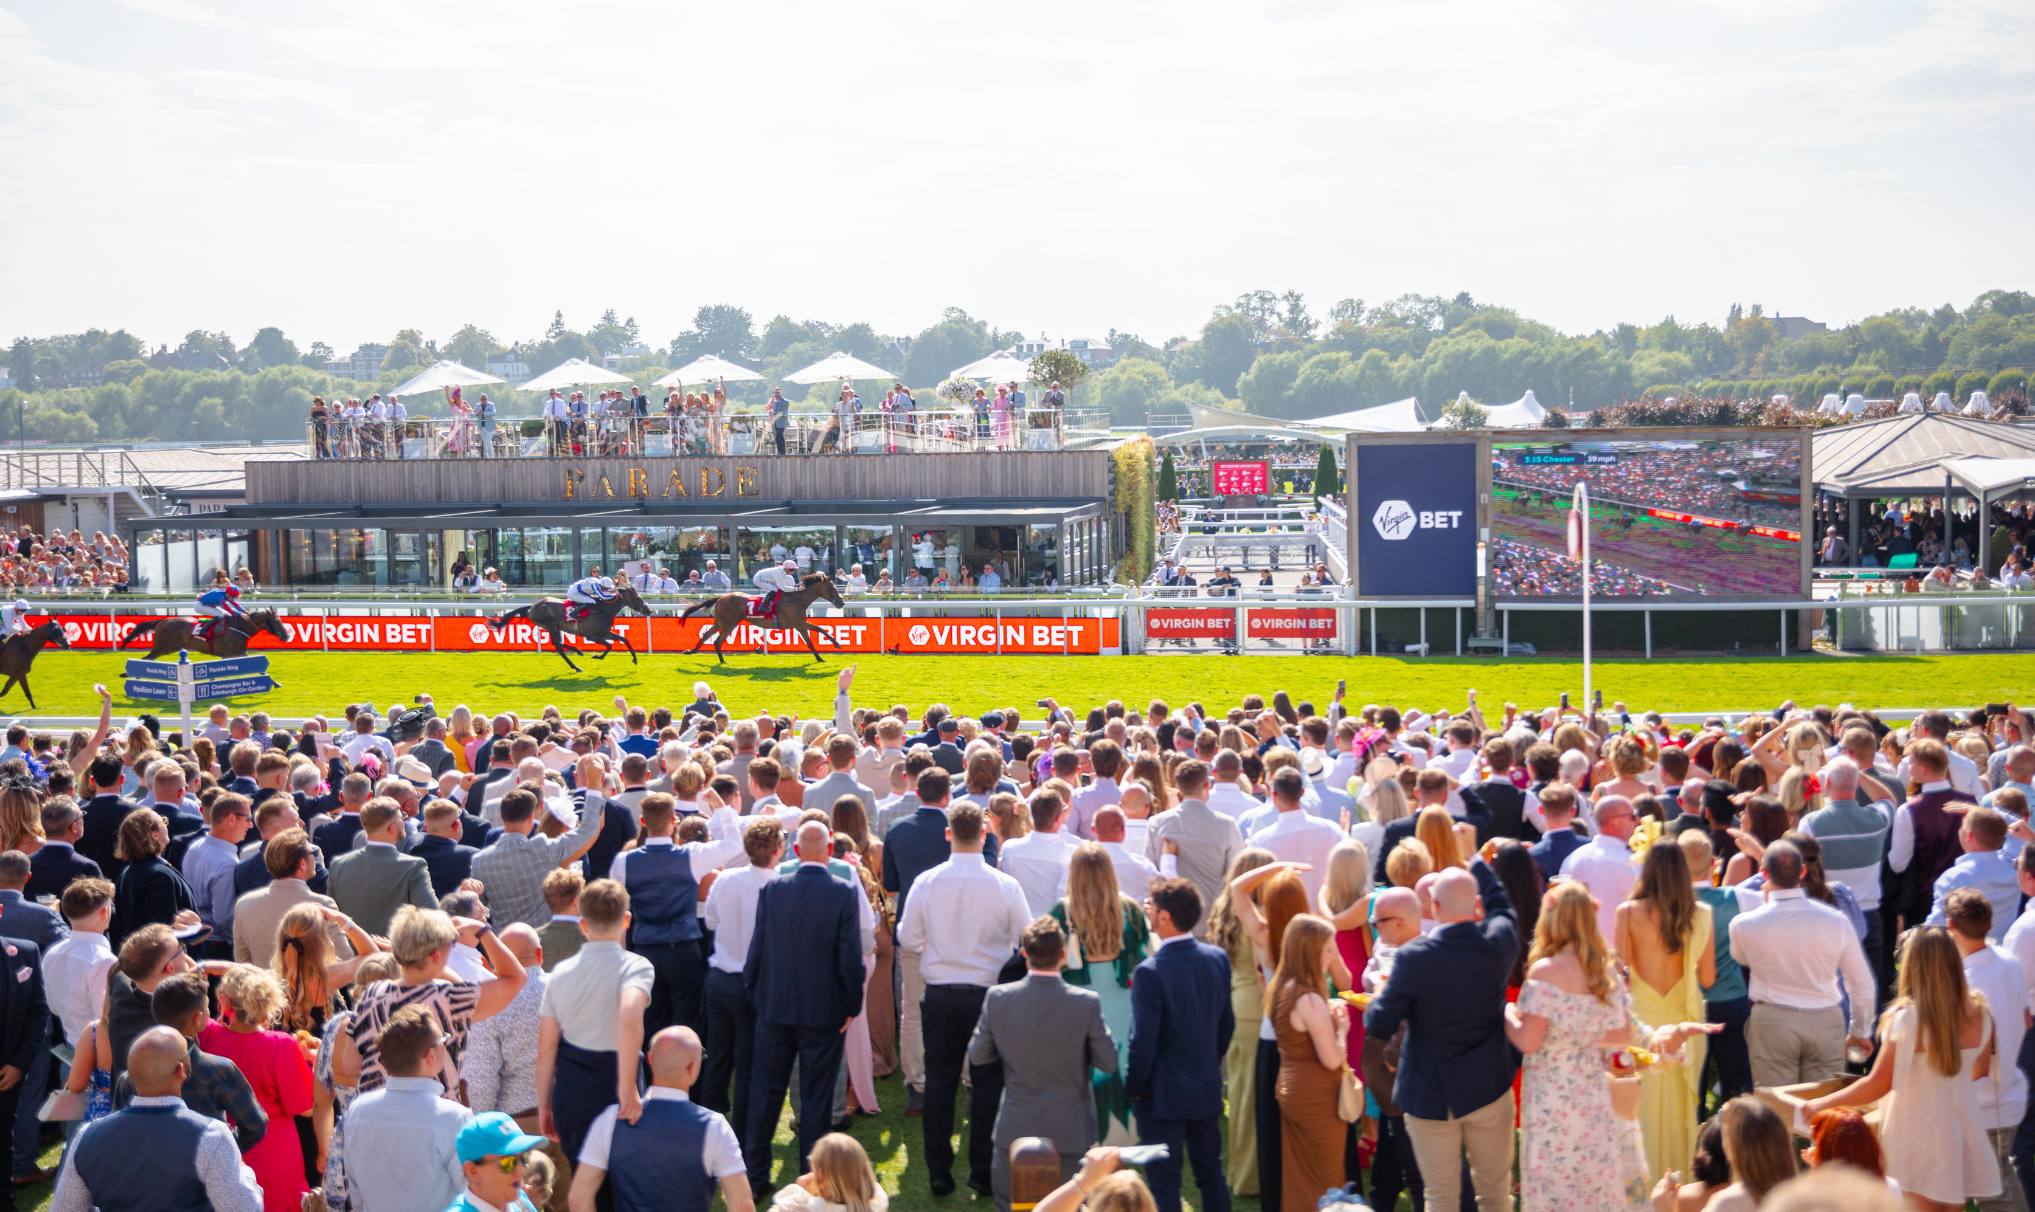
column 1348, row 879
column 1095, row 905
column 302, row 956
column 540, row 1175
column 1790, row 794
column 416, row 933
column 1388, row 802
column 1436, row 829
column 381, row 966
column 20, row 818
column 1224, row 929
column 1122, row 1191
column 1932, row 981
column 254, row 994
column 842, row 1173
column 1408, row 861
column 1569, row 919
column 1627, row 757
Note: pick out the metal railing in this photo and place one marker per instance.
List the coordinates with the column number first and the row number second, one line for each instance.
column 73, row 470
column 624, row 435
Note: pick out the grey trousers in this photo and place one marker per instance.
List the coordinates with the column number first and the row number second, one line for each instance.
column 1789, row 1047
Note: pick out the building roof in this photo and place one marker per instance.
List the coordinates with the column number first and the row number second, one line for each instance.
column 1904, row 455
column 206, row 470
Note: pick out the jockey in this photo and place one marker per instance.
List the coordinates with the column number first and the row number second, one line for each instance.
column 14, row 618
column 775, row 581
column 588, row 591
column 219, row 602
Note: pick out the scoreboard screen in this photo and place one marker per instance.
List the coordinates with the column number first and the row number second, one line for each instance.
column 1240, row 477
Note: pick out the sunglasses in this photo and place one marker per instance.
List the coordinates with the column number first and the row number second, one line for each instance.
column 508, row 1163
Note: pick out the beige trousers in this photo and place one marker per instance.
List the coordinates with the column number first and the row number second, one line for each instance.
column 1486, row 1136
column 912, row 1036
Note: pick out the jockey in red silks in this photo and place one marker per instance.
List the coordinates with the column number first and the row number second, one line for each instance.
column 219, row 602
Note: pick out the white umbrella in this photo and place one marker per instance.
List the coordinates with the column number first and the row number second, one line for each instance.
column 1003, row 366
column 445, row 373
column 1854, row 405
column 1912, row 402
column 705, row 370
column 837, row 365
column 573, row 373
column 1978, row 405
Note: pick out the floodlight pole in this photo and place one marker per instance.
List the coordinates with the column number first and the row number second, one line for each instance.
column 1581, row 508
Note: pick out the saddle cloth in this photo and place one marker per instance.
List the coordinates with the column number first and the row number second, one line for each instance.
column 763, row 607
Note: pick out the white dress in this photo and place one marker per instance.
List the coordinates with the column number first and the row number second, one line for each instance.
column 1929, row 1127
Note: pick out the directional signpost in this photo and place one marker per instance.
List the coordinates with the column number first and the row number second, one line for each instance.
column 183, row 683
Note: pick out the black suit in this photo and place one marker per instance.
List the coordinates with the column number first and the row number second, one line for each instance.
column 252, row 873
column 1499, row 810
column 336, row 835
column 52, row 868
column 103, row 814
column 450, row 862
column 804, row 976
column 24, row 1033
column 148, row 891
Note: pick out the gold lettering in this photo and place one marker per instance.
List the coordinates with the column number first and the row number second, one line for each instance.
column 572, row 478
column 745, row 481
column 639, row 484
column 676, row 488
column 604, row 488
column 715, row 476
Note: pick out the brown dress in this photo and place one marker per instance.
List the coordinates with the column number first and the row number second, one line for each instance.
column 1310, row 1135
column 882, row 1006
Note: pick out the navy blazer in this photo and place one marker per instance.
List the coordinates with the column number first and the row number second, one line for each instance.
column 252, row 871
column 336, row 835
column 23, row 918
column 52, row 868
column 1448, row 987
column 805, row 955
column 103, row 814
column 1181, row 1023
column 450, row 862
column 24, row 1011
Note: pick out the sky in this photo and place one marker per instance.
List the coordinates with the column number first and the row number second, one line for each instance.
column 343, row 170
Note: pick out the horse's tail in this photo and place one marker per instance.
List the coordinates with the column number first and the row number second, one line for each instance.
column 140, row 630
column 502, row 620
column 696, row 607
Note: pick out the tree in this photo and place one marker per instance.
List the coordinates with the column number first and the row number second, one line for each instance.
column 21, row 363
column 320, row 354
column 269, row 348
column 1056, row 366
column 1224, row 352
column 1348, row 311
column 954, row 342
column 406, row 350
column 1169, row 479
column 783, row 332
column 1464, row 413
column 1326, row 483
column 557, row 328
column 1128, row 389
column 721, row 329
column 1296, row 321
column 470, row 347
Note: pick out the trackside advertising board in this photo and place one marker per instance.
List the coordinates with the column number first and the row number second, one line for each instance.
column 1416, row 518
column 1260, row 623
column 1043, row 635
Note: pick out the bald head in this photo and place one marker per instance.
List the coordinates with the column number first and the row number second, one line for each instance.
column 1396, row 915
column 1455, row 896
column 522, row 943
column 1136, row 802
column 1108, row 824
column 1615, row 816
column 675, row 1057
column 815, row 842
column 155, row 1062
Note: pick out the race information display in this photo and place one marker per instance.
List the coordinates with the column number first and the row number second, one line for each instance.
column 1416, row 519
column 1240, row 477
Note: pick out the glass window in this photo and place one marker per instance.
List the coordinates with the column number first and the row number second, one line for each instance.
column 547, row 557
column 592, row 554
column 409, row 562
column 239, row 551
column 511, row 558
column 1042, row 553
column 337, row 558
column 870, row 548
column 151, row 570
column 756, row 547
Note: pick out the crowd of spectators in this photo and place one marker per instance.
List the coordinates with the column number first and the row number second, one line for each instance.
column 1524, row 568
column 587, row 959
column 1653, row 476
column 61, row 562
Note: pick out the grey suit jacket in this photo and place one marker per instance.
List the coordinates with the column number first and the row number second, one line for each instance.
column 823, row 793
column 371, row 883
column 433, row 754
column 1048, row 1034
column 257, row 914
column 1208, row 841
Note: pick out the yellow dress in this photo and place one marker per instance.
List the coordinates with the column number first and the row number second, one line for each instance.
column 1668, row 1107
column 1240, row 1068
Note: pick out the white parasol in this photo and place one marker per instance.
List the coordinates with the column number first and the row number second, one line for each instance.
column 576, row 372
column 442, row 374
column 837, row 365
column 1003, row 366
column 706, row 370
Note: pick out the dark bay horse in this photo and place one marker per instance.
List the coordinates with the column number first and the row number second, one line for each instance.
column 598, row 625
column 731, row 610
column 229, row 636
column 18, row 654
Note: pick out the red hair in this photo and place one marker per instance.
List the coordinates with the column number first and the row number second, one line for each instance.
column 1842, row 1135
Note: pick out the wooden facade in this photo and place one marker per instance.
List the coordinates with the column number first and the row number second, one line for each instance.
column 1013, row 476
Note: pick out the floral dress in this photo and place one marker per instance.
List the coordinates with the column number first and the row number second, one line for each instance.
column 342, row 1098
column 1569, row 1145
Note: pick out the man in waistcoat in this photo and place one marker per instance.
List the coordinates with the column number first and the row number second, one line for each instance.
column 155, row 1154
column 1924, row 841
column 663, row 881
column 674, row 1153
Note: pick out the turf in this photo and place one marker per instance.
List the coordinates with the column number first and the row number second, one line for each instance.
column 526, row 682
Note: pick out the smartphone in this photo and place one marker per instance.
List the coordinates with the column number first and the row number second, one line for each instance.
column 1342, row 686
column 1597, row 700
column 1565, row 700
column 1044, row 703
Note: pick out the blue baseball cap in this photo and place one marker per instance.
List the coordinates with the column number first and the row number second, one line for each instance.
column 494, row 1134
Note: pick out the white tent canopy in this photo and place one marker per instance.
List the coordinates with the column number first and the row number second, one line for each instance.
column 1523, row 413
column 1978, row 406
column 576, row 372
column 1268, row 431
column 1912, row 402
column 1400, row 416
column 706, row 370
column 1941, row 403
column 1854, row 405
column 1991, row 476
column 1003, row 366
column 442, row 374
column 837, row 365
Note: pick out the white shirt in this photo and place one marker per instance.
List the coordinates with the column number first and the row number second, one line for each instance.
column 1038, row 862
column 360, row 742
column 720, row 1152
column 965, row 918
column 230, row 1185
column 1455, row 763
column 74, row 980
column 731, row 914
column 1232, row 801
column 2000, row 977
column 463, row 963
column 1796, row 948
column 1606, row 866
column 1297, row 837
column 1963, row 774
column 1901, row 838
column 705, row 857
column 2020, row 943
column 1134, row 872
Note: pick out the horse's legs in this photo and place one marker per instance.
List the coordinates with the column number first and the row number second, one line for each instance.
column 805, row 631
column 25, row 690
column 719, row 655
column 623, row 639
column 9, row 686
column 558, row 642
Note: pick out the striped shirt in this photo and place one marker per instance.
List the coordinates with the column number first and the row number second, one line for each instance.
column 1854, row 841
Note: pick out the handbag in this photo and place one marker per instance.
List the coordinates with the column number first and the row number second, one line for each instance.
column 62, row 1105
column 1349, row 1097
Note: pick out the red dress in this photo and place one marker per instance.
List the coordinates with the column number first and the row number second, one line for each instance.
column 275, row 1067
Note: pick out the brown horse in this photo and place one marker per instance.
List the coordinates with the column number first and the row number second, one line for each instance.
column 598, row 624
column 229, row 636
column 18, row 654
column 731, row 610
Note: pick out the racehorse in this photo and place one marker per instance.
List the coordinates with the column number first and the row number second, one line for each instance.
column 17, row 655
column 229, row 637
column 598, row 624
column 731, row 610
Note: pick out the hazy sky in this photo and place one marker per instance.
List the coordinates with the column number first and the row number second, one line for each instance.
column 346, row 169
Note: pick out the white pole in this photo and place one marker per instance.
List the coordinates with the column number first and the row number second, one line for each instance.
column 184, row 689
column 1581, row 505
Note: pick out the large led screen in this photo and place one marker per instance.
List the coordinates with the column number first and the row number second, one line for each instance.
column 1669, row 518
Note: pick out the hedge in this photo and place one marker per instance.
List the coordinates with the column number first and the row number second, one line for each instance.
column 2006, row 381
column 1970, row 381
column 1880, row 387
column 1134, row 487
column 1938, row 383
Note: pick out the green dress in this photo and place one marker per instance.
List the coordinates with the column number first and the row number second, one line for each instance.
column 1110, row 980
